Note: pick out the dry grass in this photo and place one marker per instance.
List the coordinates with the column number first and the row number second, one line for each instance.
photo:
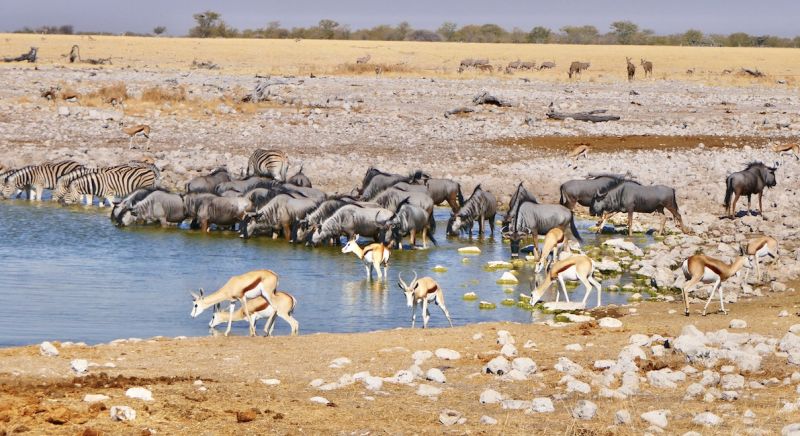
column 239, row 56
column 369, row 68
column 158, row 94
column 110, row 94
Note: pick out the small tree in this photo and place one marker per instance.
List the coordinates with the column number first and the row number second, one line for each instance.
column 693, row 37
column 580, row 34
column 158, row 30
column 447, row 30
column 740, row 39
column 624, row 31
column 206, row 22
column 539, row 35
column 327, row 28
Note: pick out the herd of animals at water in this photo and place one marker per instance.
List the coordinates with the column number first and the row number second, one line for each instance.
column 386, row 208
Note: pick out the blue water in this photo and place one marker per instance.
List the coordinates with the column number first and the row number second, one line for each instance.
column 66, row 273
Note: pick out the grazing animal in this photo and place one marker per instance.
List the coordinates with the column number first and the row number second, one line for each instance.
column 392, row 198
column 648, row 67
column 354, row 219
column 631, row 69
column 156, row 206
column 363, row 59
column 240, row 187
column 547, row 65
column 36, row 178
column 630, row 197
column 410, row 220
column 423, row 290
column 706, row 269
column 527, row 217
column 583, row 191
column 222, row 211
column 757, row 248
column 137, row 130
column 485, row 68
column 579, row 151
column 577, row 68
column 481, row 206
column 300, row 179
column 62, row 184
column 376, row 181
column 242, row 288
column 373, row 256
column 268, row 163
column 281, row 214
column 209, row 182
column 441, row 190
column 110, row 183
column 324, row 210
column 574, row 268
column 553, row 241
column 258, row 308
column 790, row 149
column 193, row 202
column 752, row 180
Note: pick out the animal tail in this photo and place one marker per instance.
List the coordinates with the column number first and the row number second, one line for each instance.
column 728, row 192
column 574, row 229
column 561, row 199
column 432, row 229
column 460, row 196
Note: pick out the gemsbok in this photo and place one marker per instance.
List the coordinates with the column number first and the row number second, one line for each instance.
column 705, row 269
column 758, row 248
column 423, row 290
column 373, row 256
column 574, row 268
column 137, row 130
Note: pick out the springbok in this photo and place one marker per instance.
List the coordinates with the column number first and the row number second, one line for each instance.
column 574, row 268
column 648, row 67
column 758, row 248
column 553, row 241
column 423, row 290
column 373, row 256
column 137, row 130
column 702, row 268
column 242, row 288
column 577, row 152
column 790, row 149
column 259, row 308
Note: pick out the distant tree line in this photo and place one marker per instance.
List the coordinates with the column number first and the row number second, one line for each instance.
column 209, row 24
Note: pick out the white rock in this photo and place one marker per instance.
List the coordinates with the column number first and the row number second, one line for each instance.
column 738, row 324
column 139, row 394
column 373, row 383
column 508, row 350
column 122, row 413
column 319, row 400
column 339, row 362
column 270, row 381
column 477, row 336
column 447, row 354
column 640, row 340
column 402, row 377
column 515, row 404
column 795, row 329
column 435, row 375
column 657, row 418
column 428, row 391
column 604, row 364
column 622, row 417
column 710, row 378
column 529, row 344
column 791, row 430
column 48, row 349
column 508, row 278
column 499, row 366
column 729, row 395
column 789, row 342
column 93, row 398
column 707, row 419
column 525, row 365
column 694, row 390
column 573, row 347
column 568, row 366
column 731, row 382
column 624, row 245
column 584, row 410
column 504, row 337
column 665, row 378
column 421, row 355
column 79, row 366
column 609, row 323
column 64, row 112
column 578, row 386
column 488, row 420
column 317, row 382
column 542, row 405
column 490, row 396
column 572, row 317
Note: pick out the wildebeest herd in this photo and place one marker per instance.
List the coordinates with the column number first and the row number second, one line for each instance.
column 386, row 208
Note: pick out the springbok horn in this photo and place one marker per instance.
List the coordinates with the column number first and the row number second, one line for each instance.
column 194, row 295
column 201, row 292
column 415, row 278
column 400, row 279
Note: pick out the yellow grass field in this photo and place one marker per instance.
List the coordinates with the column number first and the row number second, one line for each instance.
column 259, row 56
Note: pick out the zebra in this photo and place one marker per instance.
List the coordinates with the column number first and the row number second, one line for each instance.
column 268, row 163
column 36, row 178
column 110, row 183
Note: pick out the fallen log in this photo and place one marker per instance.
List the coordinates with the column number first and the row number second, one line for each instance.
column 458, row 111
column 486, row 98
column 591, row 116
column 30, row 56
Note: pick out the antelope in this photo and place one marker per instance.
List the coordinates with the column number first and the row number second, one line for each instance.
column 242, row 288
column 363, row 59
column 373, row 256
column 553, row 241
column 648, row 67
column 137, row 130
column 423, row 290
column 790, row 149
column 631, row 69
column 577, row 152
column 702, row 268
column 574, row 268
column 758, row 248
column 260, row 308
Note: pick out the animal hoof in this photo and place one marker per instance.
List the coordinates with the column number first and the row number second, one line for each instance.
column 686, row 313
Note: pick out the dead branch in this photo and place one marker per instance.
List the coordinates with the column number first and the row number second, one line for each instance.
column 754, row 72
column 486, row 98
column 30, row 56
column 591, row 116
column 458, row 111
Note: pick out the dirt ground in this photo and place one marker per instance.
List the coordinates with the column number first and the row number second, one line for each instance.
column 603, row 144
column 40, row 394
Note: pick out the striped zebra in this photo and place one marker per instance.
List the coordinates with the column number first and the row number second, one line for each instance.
column 109, row 184
column 268, row 163
column 36, row 178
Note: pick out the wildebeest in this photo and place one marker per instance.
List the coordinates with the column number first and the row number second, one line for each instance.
column 268, row 163
column 630, row 196
column 222, row 211
column 631, row 69
column 299, row 179
column 281, row 214
column 441, row 190
column 752, row 180
column 410, row 221
column 583, row 191
column 208, row 183
column 472, row 63
column 353, row 220
column 376, row 181
column 245, row 185
column 157, row 206
column 547, row 65
column 648, row 67
column 391, row 199
column 577, row 68
column 527, row 217
column 480, row 206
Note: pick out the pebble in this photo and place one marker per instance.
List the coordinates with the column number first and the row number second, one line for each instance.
column 477, row 336
column 585, row 410
column 421, row 356
column 508, row 350
column 490, row 396
column 319, row 400
column 791, row 430
column 578, row 386
column 738, row 324
column 447, row 354
column 499, row 366
column 504, row 337
column 525, row 365
column 707, row 419
column 122, row 413
column 542, row 405
column 339, row 362
column 488, row 420
column 731, row 382
column 270, row 381
column 317, row 382
column 573, row 347
column 622, row 417
column 450, row 417
column 428, row 391
column 516, row 404
column 794, row 329
column 48, row 349
column 784, row 314
column 609, row 323
column 529, row 344
column 435, row 375
column 139, row 394
column 93, row 398
column 373, row 383
column 79, row 366
column 657, row 418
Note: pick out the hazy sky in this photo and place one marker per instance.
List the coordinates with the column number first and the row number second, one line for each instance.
column 776, row 17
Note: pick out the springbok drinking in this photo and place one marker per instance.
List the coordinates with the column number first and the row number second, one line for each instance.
column 574, row 268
